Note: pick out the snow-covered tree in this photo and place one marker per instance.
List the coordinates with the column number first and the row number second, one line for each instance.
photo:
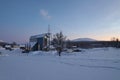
column 58, row 42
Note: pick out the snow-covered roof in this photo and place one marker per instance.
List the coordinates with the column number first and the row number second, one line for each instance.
column 22, row 45
column 39, row 36
column 7, row 46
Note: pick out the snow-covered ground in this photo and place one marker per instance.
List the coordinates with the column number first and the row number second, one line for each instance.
column 90, row 64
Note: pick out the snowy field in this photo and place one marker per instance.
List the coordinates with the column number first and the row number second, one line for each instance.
column 90, row 64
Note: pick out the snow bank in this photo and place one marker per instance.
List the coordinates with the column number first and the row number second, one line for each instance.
column 90, row 64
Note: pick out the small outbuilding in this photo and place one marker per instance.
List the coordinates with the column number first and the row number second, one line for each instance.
column 39, row 42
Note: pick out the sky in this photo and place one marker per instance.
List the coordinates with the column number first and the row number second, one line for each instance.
column 97, row 19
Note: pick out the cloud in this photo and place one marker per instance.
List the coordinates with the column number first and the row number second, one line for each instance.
column 45, row 14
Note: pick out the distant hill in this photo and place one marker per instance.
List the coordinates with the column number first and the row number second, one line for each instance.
column 1, row 41
column 83, row 39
